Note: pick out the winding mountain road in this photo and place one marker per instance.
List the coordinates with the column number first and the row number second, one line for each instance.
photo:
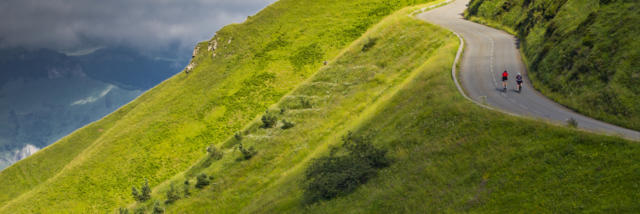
column 488, row 52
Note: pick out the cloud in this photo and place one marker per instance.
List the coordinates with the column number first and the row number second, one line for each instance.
column 73, row 25
column 92, row 99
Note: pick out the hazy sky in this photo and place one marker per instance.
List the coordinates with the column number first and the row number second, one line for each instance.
column 142, row 24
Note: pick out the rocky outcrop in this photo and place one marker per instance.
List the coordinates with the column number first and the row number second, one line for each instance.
column 190, row 67
column 213, row 45
column 195, row 52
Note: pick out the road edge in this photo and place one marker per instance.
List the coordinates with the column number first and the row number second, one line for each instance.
column 488, row 107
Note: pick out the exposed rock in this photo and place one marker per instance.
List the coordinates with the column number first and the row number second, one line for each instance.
column 190, row 67
column 195, row 51
column 213, row 45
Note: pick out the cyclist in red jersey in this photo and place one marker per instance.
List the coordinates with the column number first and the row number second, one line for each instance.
column 505, row 77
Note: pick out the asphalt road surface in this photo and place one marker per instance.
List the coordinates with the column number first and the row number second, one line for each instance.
column 488, row 52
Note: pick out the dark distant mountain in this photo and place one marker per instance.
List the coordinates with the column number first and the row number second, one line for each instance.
column 128, row 68
column 32, row 64
column 45, row 95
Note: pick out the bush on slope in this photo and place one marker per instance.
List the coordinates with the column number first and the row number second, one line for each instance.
column 582, row 53
column 165, row 130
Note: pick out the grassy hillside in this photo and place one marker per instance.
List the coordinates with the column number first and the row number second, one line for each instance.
column 367, row 74
column 168, row 128
column 448, row 155
column 393, row 83
column 582, row 53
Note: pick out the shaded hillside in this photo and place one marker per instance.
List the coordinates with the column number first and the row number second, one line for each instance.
column 582, row 53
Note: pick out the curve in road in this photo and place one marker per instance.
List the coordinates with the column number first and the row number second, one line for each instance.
column 487, row 54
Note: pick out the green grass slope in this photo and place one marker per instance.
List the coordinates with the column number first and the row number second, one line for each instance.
column 163, row 132
column 583, row 54
column 448, row 154
column 368, row 73
column 393, row 83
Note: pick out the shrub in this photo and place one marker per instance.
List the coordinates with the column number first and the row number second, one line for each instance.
column 361, row 147
column 369, row 44
column 333, row 176
column 238, row 136
column 203, row 181
column 185, row 190
column 145, row 193
column 157, row 209
column 246, row 153
column 214, row 153
column 139, row 210
column 172, row 195
column 329, row 177
column 135, row 194
column 268, row 120
column 287, row 124
column 123, row 210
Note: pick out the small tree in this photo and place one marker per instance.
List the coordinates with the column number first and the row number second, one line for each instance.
column 144, row 194
column 135, row 194
column 268, row 120
column 172, row 195
column 146, row 191
column 203, row 181
column 157, row 209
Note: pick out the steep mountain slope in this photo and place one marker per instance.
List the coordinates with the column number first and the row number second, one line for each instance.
column 238, row 74
column 448, row 155
column 394, row 84
column 582, row 53
column 340, row 95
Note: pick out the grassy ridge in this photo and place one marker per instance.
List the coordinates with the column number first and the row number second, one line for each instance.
column 366, row 74
column 163, row 132
column 582, row 53
column 448, row 155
